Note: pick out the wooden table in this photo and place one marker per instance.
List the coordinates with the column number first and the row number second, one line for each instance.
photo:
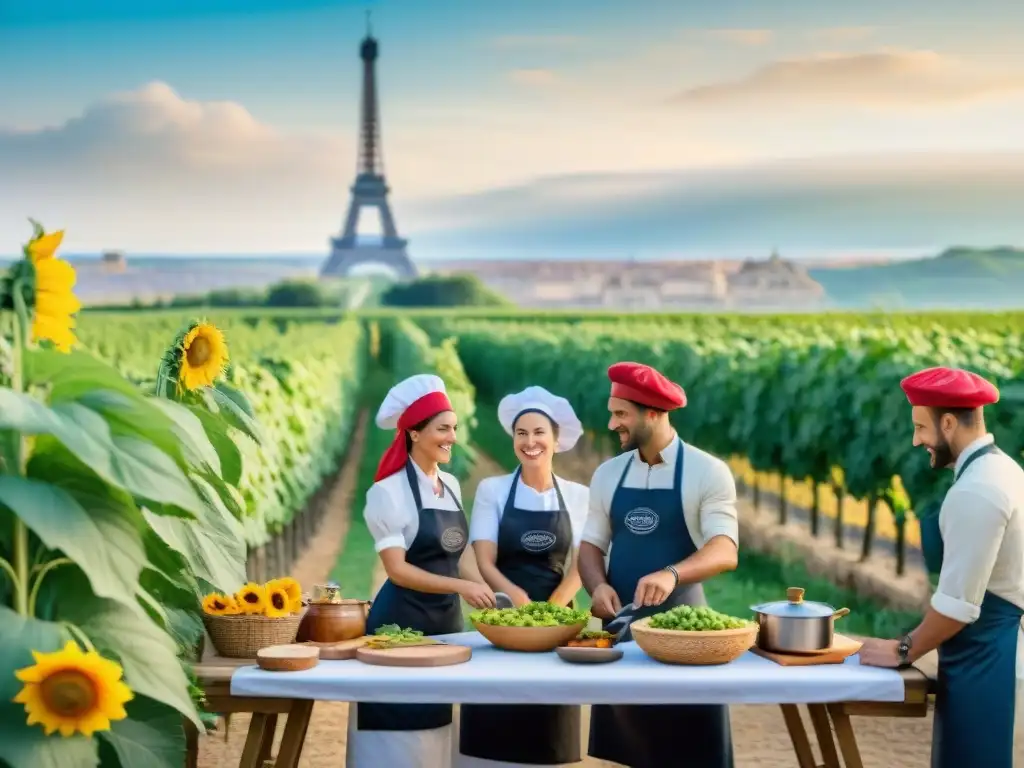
column 832, row 726
column 214, row 675
column 831, row 722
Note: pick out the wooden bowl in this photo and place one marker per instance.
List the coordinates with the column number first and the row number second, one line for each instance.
column 287, row 658
column 529, row 639
column 671, row 646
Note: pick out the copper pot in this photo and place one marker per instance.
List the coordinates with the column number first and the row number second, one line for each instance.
column 333, row 622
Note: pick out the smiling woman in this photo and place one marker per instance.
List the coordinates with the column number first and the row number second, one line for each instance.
column 526, row 528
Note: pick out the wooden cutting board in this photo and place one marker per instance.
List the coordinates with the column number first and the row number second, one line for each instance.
column 287, row 658
column 842, row 648
column 441, row 655
column 340, row 651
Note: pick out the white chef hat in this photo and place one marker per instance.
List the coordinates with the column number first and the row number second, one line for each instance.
column 555, row 408
column 404, row 394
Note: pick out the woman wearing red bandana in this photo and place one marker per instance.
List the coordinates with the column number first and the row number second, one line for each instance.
column 975, row 543
column 414, row 513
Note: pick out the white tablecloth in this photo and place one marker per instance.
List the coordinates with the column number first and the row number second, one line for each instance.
column 494, row 676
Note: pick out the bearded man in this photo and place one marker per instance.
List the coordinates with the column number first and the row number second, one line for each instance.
column 664, row 512
column 977, row 548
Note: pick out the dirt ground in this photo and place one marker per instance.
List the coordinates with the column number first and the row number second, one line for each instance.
column 759, row 733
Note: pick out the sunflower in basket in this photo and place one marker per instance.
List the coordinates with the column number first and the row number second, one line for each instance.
column 277, row 603
column 291, row 588
column 252, row 598
column 216, row 604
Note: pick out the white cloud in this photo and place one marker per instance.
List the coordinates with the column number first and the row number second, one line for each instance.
column 748, row 37
column 151, row 171
column 888, row 79
column 532, row 77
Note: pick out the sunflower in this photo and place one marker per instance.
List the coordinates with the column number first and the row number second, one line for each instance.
column 251, row 598
column 291, row 586
column 277, row 602
column 71, row 691
column 203, row 356
column 54, row 301
column 216, row 604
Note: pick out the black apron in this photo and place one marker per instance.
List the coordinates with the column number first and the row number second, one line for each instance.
column 975, row 703
column 438, row 545
column 648, row 533
column 533, row 547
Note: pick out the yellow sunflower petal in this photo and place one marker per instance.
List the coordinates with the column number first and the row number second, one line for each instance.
column 55, row 303
column 76, row 692
column 45, row 246
column 204, row 355
column 55, row 275
column 277, row 603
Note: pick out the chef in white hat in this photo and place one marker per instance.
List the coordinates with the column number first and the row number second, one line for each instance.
column 525, row 531
column 414, row 513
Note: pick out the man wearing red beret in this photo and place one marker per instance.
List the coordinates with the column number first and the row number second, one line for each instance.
column 664, row 512
column 976, row 545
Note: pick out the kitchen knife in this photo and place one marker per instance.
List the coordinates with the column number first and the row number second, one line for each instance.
column 503, row 601
column 619, row 625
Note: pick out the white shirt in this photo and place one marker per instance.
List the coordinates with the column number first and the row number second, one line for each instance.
column 489, row 505
column 982, row 525
column 708, row 493
column 391, row 514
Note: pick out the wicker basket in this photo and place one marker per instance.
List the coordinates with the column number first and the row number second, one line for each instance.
column 672, row 646
column 529, row 639
column 239, row 637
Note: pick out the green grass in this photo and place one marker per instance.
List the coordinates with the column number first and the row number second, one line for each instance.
column 354, row 568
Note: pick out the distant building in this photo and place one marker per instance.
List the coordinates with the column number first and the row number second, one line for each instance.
column 773, row 282
column 114, row 262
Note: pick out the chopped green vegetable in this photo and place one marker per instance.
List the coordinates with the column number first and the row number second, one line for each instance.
column 397, row 634
column 536, row 614
column 699, row 618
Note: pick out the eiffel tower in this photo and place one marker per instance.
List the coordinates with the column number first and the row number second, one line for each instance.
column 370, row 190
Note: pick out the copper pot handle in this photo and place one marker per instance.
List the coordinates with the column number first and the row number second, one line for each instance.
column 840, row 613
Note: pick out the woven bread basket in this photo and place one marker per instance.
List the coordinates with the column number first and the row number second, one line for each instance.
column 240, row 637
column 672, row 646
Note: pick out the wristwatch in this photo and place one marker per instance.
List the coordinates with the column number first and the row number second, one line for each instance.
column 903, row 649
column 672, row 569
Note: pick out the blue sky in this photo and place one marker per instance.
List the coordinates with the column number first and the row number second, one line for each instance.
column 215, row 125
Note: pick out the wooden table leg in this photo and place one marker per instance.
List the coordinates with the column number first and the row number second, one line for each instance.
column 798, row 735
column 845, row 736
column 254, row 741
column 823, row 730
column 267, row 745
column 191, row 745
column 294, row 738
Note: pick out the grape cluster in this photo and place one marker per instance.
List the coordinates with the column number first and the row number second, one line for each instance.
column 536, row 614
column 689, row 618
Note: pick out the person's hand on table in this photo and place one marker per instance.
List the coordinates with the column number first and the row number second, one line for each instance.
column 880, row 653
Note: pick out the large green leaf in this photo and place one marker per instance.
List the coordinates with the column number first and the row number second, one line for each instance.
column 22, row 745
column 147, row 653
column 151, row 737
column 94, row 525
column 225, row 405
column 189, row 429
column 227, row 450
column 213, row 544
column 69, row 376
column 127, row 462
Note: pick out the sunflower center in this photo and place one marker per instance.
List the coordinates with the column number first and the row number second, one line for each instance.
column 198, row 351
column 278, row 600
column 251, row 597
column 218, row 605
column 69, row 693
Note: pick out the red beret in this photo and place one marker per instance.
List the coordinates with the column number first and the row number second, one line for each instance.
column 642, row 384
column 949, row 388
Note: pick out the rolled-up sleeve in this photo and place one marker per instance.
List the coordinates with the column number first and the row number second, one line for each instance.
column 384, row 519
column 598, row 528
column 972, row 526
column 483, row 524
column 718, row 516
